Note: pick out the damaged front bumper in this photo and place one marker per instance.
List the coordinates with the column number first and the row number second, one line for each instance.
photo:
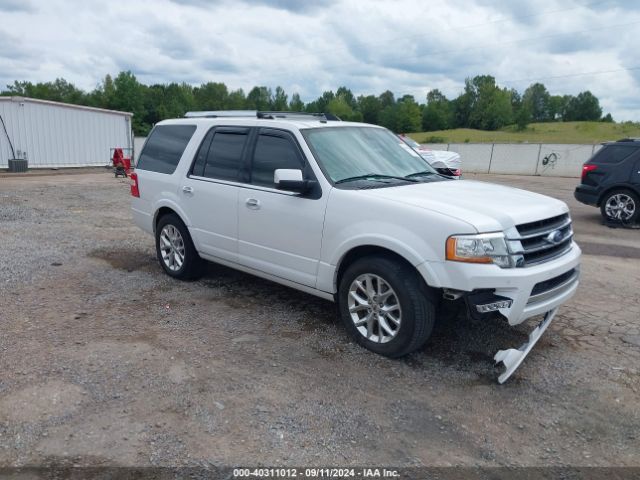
column 513, row 357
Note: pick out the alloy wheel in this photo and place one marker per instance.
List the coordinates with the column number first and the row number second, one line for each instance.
column 620, row 207
column 172, row 248
column 374, row 308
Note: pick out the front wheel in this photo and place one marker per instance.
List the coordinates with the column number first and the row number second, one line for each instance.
column 174, row 248
column 384, row 306
column 621, row 205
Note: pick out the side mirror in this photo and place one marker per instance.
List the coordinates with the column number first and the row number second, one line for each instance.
column 291, row 180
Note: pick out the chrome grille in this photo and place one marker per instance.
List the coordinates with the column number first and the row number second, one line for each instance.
column 543, row 240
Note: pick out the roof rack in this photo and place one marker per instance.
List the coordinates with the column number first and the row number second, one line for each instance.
column 222, row 113
column 323, row 117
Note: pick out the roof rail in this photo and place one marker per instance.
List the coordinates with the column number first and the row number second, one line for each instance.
column 261, row 114
column 628, row 139
column 222, row 113
column 319, row 116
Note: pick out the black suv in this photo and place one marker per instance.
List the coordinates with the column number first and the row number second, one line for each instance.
column 611, row 181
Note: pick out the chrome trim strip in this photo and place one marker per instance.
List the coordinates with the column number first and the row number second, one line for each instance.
column 548, row 259
column 248, row 186
column 555, row 290
column 547, row 246
column 541, row 233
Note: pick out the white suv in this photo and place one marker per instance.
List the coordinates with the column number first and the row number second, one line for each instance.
column 348, row 212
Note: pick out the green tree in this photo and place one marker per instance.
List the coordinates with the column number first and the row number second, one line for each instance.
column 490, row 106
column 408, row 115
column 296, row 105
column 607, row 118
column 280, row 100
column 211, row 96
column 437, row 113
column 387, row 99
column 237, row 100
column 347, row 97
column 320, row 104
column 370, row 108
column 585, row 106
column 260, row 98
column 538, row 101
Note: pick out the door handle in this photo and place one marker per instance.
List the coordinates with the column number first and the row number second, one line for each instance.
column 187, row 189
column 252, row 203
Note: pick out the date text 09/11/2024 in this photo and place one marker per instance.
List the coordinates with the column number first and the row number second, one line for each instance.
column 315, row 473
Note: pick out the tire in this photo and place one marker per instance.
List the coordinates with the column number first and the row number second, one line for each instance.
column 412, row 311
column 174, row 249
column 620, row 205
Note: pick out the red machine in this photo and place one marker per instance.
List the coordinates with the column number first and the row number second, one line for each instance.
column 121, row 164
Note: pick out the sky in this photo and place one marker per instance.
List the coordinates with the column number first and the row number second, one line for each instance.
column 408, row 47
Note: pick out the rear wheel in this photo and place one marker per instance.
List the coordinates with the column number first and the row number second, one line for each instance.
column 175, row 250
column 384, row 306
column 621, row 205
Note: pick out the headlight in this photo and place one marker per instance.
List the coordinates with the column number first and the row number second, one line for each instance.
column 482, row 248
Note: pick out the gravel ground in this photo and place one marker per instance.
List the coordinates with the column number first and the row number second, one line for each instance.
column 104, row 360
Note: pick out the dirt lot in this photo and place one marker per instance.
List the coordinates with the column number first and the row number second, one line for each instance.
column 104, row 360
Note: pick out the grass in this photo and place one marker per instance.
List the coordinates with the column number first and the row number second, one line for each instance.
column 554, row 132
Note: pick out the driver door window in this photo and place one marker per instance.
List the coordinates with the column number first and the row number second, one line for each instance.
column 272, row 152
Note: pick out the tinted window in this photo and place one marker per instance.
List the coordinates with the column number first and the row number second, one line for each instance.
column 225, row 156
column 164, row 148
column 201, row 156
column 614, row 153
column 272, row 153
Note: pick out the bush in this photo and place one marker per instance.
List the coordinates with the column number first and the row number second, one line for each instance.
column 435, row 139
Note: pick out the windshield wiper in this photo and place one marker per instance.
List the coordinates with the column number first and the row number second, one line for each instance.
column 420, row 174
column 375, row 175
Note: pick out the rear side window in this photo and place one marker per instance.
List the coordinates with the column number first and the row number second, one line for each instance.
column 164, row 148
column 271, row 153
column 201, row 156
column 224, row 159
column 614, row 153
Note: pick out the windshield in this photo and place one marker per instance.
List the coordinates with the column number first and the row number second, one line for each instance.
column 347, row 152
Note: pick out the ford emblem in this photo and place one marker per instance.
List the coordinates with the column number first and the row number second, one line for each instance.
column 554, row 237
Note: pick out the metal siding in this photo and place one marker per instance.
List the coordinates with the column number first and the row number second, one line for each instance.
column 57, row 136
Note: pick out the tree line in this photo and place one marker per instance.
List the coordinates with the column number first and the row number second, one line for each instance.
column 483, row 104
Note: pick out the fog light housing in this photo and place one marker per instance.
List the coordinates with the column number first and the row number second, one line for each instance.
column 484, row 304
column 492, row 307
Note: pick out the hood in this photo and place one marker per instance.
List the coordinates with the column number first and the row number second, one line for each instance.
column 449, row 159
column 486, row 206
column 441, row 158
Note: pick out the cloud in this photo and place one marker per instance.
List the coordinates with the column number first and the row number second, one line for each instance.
column 309, row 47
column 15, row 6
column 297, row 6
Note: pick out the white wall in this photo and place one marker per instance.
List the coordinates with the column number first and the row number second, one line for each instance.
column 554, row 160
column 54, row 135
column 476, row 157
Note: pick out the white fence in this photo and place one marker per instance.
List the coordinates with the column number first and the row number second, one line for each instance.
column 553, row 160
column 546, row 159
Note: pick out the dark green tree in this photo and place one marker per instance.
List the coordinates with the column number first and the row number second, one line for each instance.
column 260, row 98
column 583, row 107
column 370, row 107
column 211, row 96
column 437, row 113
column 538, row 101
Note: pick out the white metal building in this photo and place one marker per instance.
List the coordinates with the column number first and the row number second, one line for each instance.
column 52, row 134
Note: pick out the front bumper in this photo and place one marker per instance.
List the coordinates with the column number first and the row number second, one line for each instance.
column 516, row 284
column 513, row 357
